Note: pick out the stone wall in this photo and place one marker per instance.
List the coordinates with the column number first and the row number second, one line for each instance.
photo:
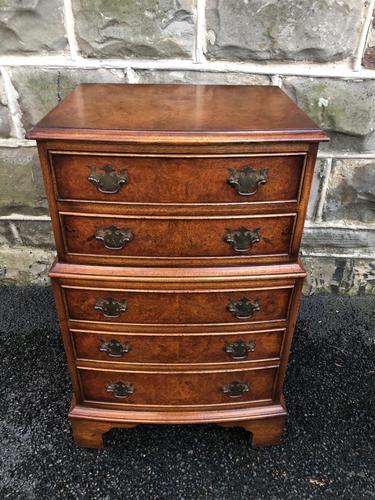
column 321, row 52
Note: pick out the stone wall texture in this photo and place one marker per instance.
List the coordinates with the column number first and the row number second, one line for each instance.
column 320, row 52
column 304, row 30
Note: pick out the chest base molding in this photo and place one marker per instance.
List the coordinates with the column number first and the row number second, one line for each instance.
column 265, row 423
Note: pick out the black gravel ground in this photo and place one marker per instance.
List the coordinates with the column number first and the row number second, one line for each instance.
column 329, row 439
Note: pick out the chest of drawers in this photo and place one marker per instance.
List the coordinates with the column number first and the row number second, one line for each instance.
column 177, row 213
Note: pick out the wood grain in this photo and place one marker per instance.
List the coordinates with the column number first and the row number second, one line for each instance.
column 159, row 389
column 174, row 307
column 176, row 179
column 177, row 349
column 174, row 240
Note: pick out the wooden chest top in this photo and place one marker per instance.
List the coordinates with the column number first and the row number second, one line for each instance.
column 177, row 114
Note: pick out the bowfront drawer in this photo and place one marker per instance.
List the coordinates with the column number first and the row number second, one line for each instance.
column 178, row 388
column 247, row 305
column 204, row 179
column 177, row 240
column 178, row 349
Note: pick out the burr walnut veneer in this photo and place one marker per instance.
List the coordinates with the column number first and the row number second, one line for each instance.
column 177, row 213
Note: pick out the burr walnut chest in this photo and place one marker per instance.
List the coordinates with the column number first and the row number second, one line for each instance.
column 177, row 213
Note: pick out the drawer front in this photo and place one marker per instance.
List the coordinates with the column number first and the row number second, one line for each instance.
column 159, row 180
column 178, row 349
column 178, row 389
column 178, row 307
column 128, row 239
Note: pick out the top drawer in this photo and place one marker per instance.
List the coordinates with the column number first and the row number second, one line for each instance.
column 177, row 179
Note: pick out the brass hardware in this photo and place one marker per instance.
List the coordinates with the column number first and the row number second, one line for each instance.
column 242, row 239
column 243, row 308
column 239, row 349
column 235, row 389
column 113, row 237
column 120, row 389
column 247, row 180
column 110, row 181
column 114, row 348
column 111, row 307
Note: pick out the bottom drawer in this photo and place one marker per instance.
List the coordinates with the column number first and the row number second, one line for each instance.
column 178, row 389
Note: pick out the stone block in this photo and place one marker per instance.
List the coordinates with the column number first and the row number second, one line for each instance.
column 198, row 77
column 369, row 55
column 137, row 28
column 340, row 275
column 4, row 112
column 21, row 182
column 40, row 90
column 29, row 26
column 24, row 265
column 344, row 108
column 37, row 92
column 307, row 30
column 351, row 192
column 29, row 233
column 345, row 240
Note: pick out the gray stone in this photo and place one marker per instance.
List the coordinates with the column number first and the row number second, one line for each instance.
column 5, row 233
column 198, row 77
column 4, row 112
column 351, row 192
column 341, row 275
column 344, row 108
column 31, row 26
column 24, row 265
column 30, row 233
column 21, row 182
column 369, row 55
column 313, row 30
column 40, row 90
column 37, row 92
column 135, row 28
column 319, row 174
column 345, row 240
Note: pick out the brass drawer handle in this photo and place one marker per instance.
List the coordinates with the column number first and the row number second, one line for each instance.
column 247, row 180
column 114, row 348
column 121, row 389
column 239, row 349
column 243, row 308
column 109, row 182
column 235, row 389
column 113, row 237
column 111, row 307
column 242, row 239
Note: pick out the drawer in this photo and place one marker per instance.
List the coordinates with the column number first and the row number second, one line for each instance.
column 178, row 388
column 177, row 179
column 177, row 240
column 178, row 349
column 177, row 307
